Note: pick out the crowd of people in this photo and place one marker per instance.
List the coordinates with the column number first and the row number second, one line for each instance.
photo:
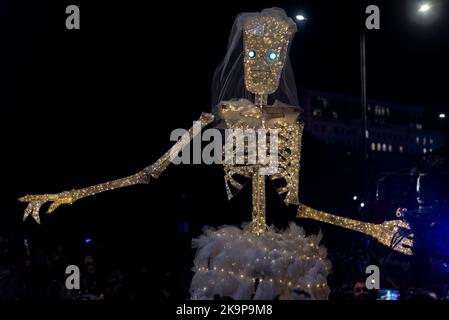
column 112, row 273
column 41, row 275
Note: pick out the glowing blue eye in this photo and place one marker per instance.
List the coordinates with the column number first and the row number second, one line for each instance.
column 251, row 53
column 272, row 56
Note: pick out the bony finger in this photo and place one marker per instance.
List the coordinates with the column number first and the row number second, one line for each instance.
column 58, row 202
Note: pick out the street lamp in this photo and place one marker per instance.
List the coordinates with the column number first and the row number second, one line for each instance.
column 442, row 116
column 424, row 8
column 300, row 17
column 363, row 104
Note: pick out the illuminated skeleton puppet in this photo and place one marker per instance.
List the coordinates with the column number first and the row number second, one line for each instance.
column 255, row 261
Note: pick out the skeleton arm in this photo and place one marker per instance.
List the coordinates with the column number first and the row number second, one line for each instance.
column 394, row 233
column 153, row 171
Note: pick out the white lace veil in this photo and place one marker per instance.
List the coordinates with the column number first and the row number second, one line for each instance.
column 228, row 80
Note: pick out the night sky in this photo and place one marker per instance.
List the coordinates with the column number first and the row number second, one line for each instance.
column 79, row 107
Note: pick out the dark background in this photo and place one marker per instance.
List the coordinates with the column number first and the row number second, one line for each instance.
column 79, row 107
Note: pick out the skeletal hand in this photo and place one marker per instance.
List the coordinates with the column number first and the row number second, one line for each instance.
column 37, row 200
column 396, row 234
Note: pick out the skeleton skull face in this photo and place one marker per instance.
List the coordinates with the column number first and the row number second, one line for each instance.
column 266, row 43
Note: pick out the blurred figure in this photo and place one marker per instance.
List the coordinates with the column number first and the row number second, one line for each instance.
column 12, row 286
column 90, row 289
column 116, row 286
column 361, row 292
